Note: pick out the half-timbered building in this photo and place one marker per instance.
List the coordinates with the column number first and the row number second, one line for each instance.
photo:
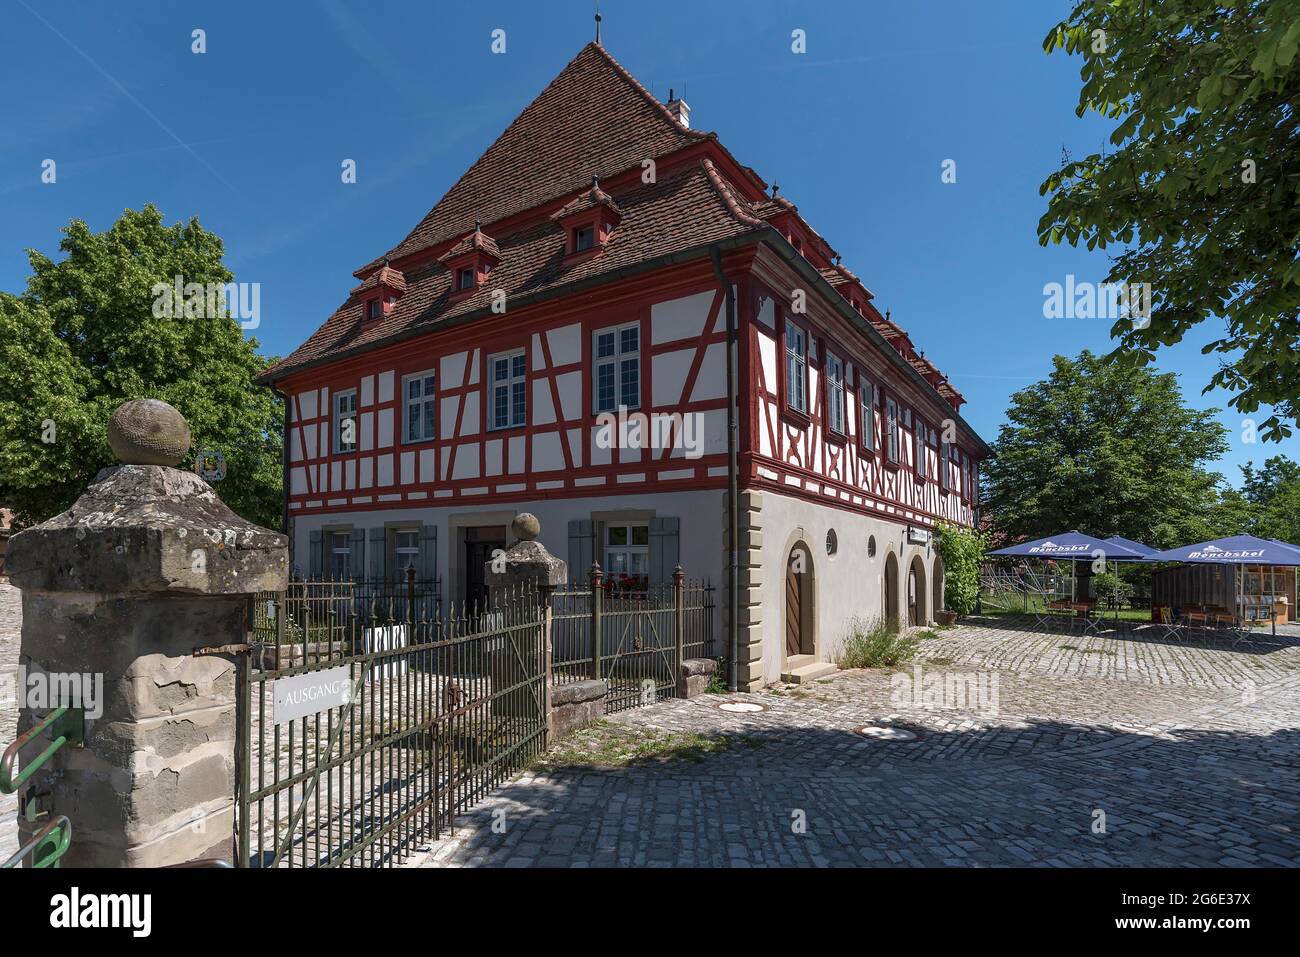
column 594, row 265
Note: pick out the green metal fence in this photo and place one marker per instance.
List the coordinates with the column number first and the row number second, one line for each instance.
column 63, row 726
column 413, row 719
column 634, row 637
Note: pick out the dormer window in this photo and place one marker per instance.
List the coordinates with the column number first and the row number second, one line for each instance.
column 466, row 278
column 470, row 261
column 374, row 309
column 379, row 293
column 588, row 221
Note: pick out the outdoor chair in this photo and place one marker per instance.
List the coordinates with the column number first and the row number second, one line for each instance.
column 1173, row 627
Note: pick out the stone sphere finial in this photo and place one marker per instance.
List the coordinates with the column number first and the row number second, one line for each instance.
column 148, row 432
column 526, row 527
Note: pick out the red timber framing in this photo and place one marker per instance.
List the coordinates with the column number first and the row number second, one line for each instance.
column 798, row 455
column 431, row 479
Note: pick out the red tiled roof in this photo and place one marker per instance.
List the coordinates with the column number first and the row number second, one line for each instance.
column 384, row 276
column 475, row 240
column 594, row 119
column 591, row 198
column 689, row 208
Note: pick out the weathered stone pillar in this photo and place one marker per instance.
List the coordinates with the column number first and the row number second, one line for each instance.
column 148, row 567
column 528, row 563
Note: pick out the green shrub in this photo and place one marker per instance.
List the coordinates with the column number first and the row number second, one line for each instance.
column 873, row 645
column 962, row 550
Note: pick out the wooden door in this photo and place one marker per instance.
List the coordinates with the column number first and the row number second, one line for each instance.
column 913, row 598
column 793, row 611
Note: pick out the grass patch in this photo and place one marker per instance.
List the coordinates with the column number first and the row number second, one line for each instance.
column 928, row 634
column 604, row 744
column 718, row 680
column 874, row 645
column 939, row 661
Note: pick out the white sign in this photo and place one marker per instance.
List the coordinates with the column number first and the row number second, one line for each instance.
column 918, row 536
column 303, row 695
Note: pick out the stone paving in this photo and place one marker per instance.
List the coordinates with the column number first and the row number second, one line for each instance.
column 1118, row 750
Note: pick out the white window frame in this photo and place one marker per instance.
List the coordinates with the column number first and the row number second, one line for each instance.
column 796, row 361
column 921, row 437
column 428, row 400
column 867, row 413
column 578, row 233
column 375, row 308
column 460, row 278
column 891, row 429
column 340, row 416
column 399, row 550
column 508, row 383
column 629, row 550
column 617, row 360
column 835, row 394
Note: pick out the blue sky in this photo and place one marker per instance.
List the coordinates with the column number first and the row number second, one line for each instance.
column 249, row 137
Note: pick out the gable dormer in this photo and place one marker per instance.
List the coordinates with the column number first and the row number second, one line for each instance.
column 588, row 221
column 470, row 262
column 379, row 293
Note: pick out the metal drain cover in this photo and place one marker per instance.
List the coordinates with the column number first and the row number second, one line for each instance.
column 741, row 707
column 882, row 733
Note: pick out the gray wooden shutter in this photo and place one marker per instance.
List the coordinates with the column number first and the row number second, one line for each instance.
column 317, row 551
column 377, row 550
column 357, row 555
column 581, row 545
column 428, row 552
column 665, row 548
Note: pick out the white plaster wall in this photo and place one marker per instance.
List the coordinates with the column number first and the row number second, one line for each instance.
column 847, row 584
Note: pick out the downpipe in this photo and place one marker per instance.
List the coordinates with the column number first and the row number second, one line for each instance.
column 733, row 493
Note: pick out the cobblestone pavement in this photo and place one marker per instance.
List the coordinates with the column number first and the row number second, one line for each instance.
column 1185, row 752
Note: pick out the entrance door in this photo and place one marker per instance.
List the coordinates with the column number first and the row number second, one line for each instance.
column 793, row 608
column 480, row 544
column 913, row 599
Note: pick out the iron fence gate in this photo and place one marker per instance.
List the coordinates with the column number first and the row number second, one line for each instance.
column 633, row 637
column 366, row 741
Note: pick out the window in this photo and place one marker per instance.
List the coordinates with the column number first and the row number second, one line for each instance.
column 618, row 368
column 871, row 546
column 583, row 238
column 832, row 542
column 627, row 550
column 891, row 429
column 796, row 368
column 921, row 438
column 419, row 408
column 867, row 410
column 465, row 278
column 406, row 551
column 375, row 309
column 345, row 421
column 835, row 393
column 338, row 555
column 508, row 374
column 946, row 455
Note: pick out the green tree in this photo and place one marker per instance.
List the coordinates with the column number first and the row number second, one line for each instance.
column 1268, row 503
column 83, row 337
column 1203, row 188
column 1105, row 446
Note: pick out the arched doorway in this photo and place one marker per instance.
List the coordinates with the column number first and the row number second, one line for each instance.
column 936, row 581
column 916, row 593
column 889, row 594
column 799, row 639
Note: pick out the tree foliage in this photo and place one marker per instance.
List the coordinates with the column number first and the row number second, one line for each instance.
column 1268, row 503
column 1203, row 187
column 962, row 550
column 1107, row 447
column 82, row 338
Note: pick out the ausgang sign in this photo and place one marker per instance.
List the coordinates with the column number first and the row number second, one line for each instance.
column 303, row 695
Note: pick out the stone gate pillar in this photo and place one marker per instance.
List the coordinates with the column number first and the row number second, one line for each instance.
column 121, row 593
column 528, row 563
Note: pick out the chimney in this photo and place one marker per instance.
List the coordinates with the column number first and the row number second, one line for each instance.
column 679, row 109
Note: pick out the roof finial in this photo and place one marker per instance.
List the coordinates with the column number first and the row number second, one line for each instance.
column 595, row 181
column 478, row 225
column 886, row 315
column 597, row 23
column 776, row 188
